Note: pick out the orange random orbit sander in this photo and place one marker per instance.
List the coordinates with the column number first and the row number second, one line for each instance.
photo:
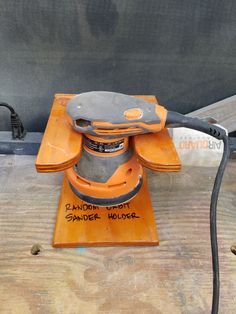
column 110, row 169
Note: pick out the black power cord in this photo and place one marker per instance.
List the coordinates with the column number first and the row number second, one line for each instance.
column 174, row 120
column 18, row 130
column 213, row 226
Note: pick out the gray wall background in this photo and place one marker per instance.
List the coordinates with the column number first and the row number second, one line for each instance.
column 182, row 51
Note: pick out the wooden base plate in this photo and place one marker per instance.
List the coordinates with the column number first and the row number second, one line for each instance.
column 82, row 224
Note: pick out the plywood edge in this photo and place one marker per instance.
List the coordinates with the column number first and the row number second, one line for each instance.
column 105, row 244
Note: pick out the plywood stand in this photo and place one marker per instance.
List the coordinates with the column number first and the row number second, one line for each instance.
column 82, row 224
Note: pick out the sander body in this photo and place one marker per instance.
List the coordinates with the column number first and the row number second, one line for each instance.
column 109, row 171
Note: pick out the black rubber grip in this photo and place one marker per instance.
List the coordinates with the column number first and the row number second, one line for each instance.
column 177, row 120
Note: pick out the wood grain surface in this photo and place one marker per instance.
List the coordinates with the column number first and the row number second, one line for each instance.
column 172, row 278
column 223, row 111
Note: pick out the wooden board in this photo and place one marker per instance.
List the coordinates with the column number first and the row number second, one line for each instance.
column 61, row 145
column 172, row 278
column 157, row 151
column 82, row 224
column 223, row 111
column 60, row 149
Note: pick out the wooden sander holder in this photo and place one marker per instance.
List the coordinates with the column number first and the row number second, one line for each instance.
column 82, row 224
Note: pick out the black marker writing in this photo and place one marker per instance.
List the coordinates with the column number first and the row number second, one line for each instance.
column 84, row 207
column 71, row 217
column 120, row 206
column 122, row 216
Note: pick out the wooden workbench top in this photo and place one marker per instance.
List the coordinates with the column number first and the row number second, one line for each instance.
column 173, row 278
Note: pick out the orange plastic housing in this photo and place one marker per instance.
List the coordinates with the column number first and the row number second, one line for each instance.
column 124, row 180
column 103, row 127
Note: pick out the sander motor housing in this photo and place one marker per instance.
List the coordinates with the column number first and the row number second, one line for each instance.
column 109, row 171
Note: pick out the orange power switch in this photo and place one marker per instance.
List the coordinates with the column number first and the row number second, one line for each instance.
column 134, row 113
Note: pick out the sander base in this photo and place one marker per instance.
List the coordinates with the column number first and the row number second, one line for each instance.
column 80, row 224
